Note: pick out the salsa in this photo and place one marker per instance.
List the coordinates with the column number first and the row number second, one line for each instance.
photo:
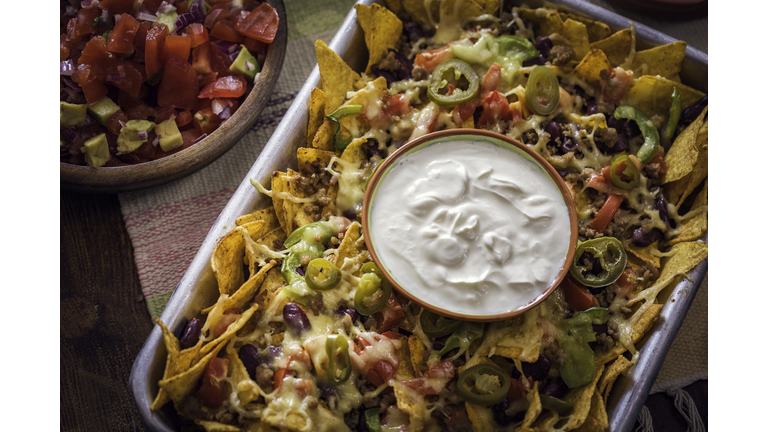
column 163, row 75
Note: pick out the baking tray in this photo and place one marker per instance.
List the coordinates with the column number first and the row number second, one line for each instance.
column 197, row 288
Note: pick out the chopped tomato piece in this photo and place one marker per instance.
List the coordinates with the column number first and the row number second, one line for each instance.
column 162, row 114
column 139, row 112
column 182, row 7
column 183, row 119
column 178, row 86
column 146, row 152
column 113, row 123
column 206, row 79
column 154, row 49
column 84, row 21
column 140, row 39
column 576, row 295
column 196, row 33
column 177, row 45
column 626, row 282
column 95, row 53
column 123, row 75
column 464, row 112
column 495, row 107
column 392, row 335
column 255, row 46
column 380, row 372
column 201, row 59
column 605, row 215
column 427, row 121
column 491, row 80
column 226, row 31
column 205, row 121
column 92, row 85
column 216, row 14
column 389, row 315
column 261, row 24
column 517, row 389
column 225, row 87
column 121, row 37
column 397, row 105
column 220, row 62
column 117, row 6
column 616, row 85
column 430, row 59
column 152, row 5
column 212, row 390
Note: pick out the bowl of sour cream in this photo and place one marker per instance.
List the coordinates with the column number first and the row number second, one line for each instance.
column 470, row 224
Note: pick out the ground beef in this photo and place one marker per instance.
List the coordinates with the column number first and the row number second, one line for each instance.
column 264, row 377
column 649, row 272
column 317, row 304
column 530, row 137
column 351, row 419
column 560, row 55
column 606, row 137
column 419, row 73
column 390, row 63
column 557, row 355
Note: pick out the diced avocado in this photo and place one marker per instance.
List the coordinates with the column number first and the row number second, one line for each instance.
column 72, row 114
column 130, row 136
column 245, row 64
column 103, row 109
column 169, row 134
column 97, row 151
column 169, row 19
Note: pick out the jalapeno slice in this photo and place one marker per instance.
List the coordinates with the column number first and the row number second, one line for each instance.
column 340, row 143
column 554, row 404
column 542, row 93
column 606, row 260
column 650, row 134
column 339, row 365
column 367, row 302
column 483, row 384
column 321, row 275
column 453, row 83
column 624, row 173
column 435, row 325
column 372, row 420
column 674, row 116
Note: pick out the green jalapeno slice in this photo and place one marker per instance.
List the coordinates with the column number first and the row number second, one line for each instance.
column 457, row 74
column 624, row 173
column 650, row 134
column 554, row 404
column 610, row 254
column 321, row 275
column 367, row 302
column 339, row 365
column 674, row 115
column 483, row 384
column 434, row 325
column 542, row 93
column 340, row 143
column 372, row 420
column 306, row 241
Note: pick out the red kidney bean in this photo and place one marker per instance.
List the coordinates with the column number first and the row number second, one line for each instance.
column 295, row 318
column 643, row 239
column 538, row 61
column 414, row 31
column 692, row 112
column 537, row 370
column 544, row 45
column 600, row 328
column 661, row 206
column 191, row 334
column 555, row 387
column 341, row 310
column 251, row 359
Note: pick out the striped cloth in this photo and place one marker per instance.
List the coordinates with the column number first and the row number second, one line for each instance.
column 167, row 224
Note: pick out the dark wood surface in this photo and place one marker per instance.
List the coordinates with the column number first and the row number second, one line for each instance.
column 104, row 322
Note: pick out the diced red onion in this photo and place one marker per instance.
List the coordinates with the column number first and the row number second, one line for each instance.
column 116, row 78
column 226, row 47
column 217, row 106
column 67, row 67
column 69, row 134
column 225, row 113
column 86, row 3
column 122, row 123
column 200, row 138
column 146, row 16
column 142, row 134
column 156, row 141
column 71, row 10
column 165, row 7
column 105, row 15
column 233, row 56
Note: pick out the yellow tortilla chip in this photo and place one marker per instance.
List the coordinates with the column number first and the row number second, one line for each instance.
column 324, row 137
column 597, row 419
column 481, row 417
column 181, row 385
column 419, row 354
column 595, row 29
column 695, row 226
column 592, row 64
column 683, row 154
column 259, row 426
column 576, row 33
column 697, row 175
column 612, row 372
column 643, row 323
column 646, row 253
column 382, row 31
column 309, row 155
column 616, row 46
column 177, row 362
column 212, row 426
column 581, row 398
column 351, row 245
column 545, row 23
column 248, row 290
column 267, row 215
column 227, row 262
column 316, row 114
column 279, row 184
column 404, row 369
column 229, row 332
column 521, row 340
column 534, row 407
column 336, row 75
column 663, row 60
column 653, row 95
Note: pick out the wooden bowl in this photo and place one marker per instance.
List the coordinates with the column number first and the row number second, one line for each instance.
column 500, row 141
column 158, row 172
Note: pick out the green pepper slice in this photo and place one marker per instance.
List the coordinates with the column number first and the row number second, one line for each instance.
column 542, row 93
column 340, row 143
column 339, row 365
column 611, row 255
column 483, row 384
column 624, row 173
column 650, row 134
column 573, row 337
column 674, row 115
column 306, row 241
column 462, row 338
column 554, row 404
column 322, row 275
column 435, row 325
column 372, row 420
column 454, row 73
column 366, row 300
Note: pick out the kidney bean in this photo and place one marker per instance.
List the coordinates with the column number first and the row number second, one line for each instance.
column 553, row 129
column 500, row 413
column 271, row 353
column 389, row 76
column 692, row 112
column 179, row 332
column 414, row 30
column 643, row 239
column 544, row 45
column 326, row 391
column 661, row 206
column 569, row 144
column 251, row 359
column 538, row 61
column 295, row 318
column 191, row 334
column 537, row 370
column 600, row 328
column 341, row 310
column 555, row 387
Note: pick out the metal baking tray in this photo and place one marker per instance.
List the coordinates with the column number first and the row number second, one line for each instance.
column 197, row 289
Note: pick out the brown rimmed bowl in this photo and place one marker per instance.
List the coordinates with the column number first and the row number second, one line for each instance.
column 161, row 171
column 500, row 141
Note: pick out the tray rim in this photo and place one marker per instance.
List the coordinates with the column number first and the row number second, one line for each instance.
column 279, row 152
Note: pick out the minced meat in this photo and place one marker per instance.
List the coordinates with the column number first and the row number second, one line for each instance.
column 561, row 55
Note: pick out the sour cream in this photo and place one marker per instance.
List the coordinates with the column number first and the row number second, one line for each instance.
column 470, row 227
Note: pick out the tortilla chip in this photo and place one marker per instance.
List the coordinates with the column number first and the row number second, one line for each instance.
column 699, row 173
column 212, row 426
column 683, row 154
column 534, row 406
column 248, row 290
column 521, row 340
column 351, row 245
column 643, row 323
column 646, row 253
column 481, row 417
column 592, row 64
column 404, row 369
column 653, row 95
column 227, row 262
column 279, row 184
column 619, row 367
column 324, row 137
column 316, row 114
column 616, row 46
column 595, row 29
column 662, row 60
column 545, row 23
column 336, row 75
column 597, row 419
column 576, row 33
column 581, row 398
column 382, row 31
column 309, row 155
column 181, row 385
column 419, row 354
column 267, row 215
column 694, row 227
column 301, row 216
column 178, row 361
column 229, row 332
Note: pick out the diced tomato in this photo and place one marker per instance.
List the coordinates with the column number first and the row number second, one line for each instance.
column 212, row 390
column 95, row 53
column 255, row 46
column 392, row 335
column 183, row 119
column 146, row 152
column 658, row 158
column 123, row 75
column 491, row 80
column 92, row 85
column 205, row 121
column 602, row 183
column 121, row 37
column 152, row 5
column 427, row 121
column 389, row 315
column 220, row 62
column 162, row 114
column 226, row 87
column 576, row 295
column 616, row 85
column 196, row 33
column 206, row 79
column 140, row 39
column 139, row 112
column 495, row 107
column 397, row 105
column 113, row 123
column 261, row 24
column 178, row 86
column 464, row 112
column 153, row 49
column 430, row 59
column 117, row 6
column 380, row 372
column 605, row 215
column 63, row 52
column 216, row 14
column 626, row 282
column 224, row 322
column 182, row 7
column 201, row 59
column 176, row 45
column 224, row 30
column 517, row 390
column 84, row 21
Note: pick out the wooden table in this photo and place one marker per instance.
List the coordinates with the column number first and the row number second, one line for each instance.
column 104, row 322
